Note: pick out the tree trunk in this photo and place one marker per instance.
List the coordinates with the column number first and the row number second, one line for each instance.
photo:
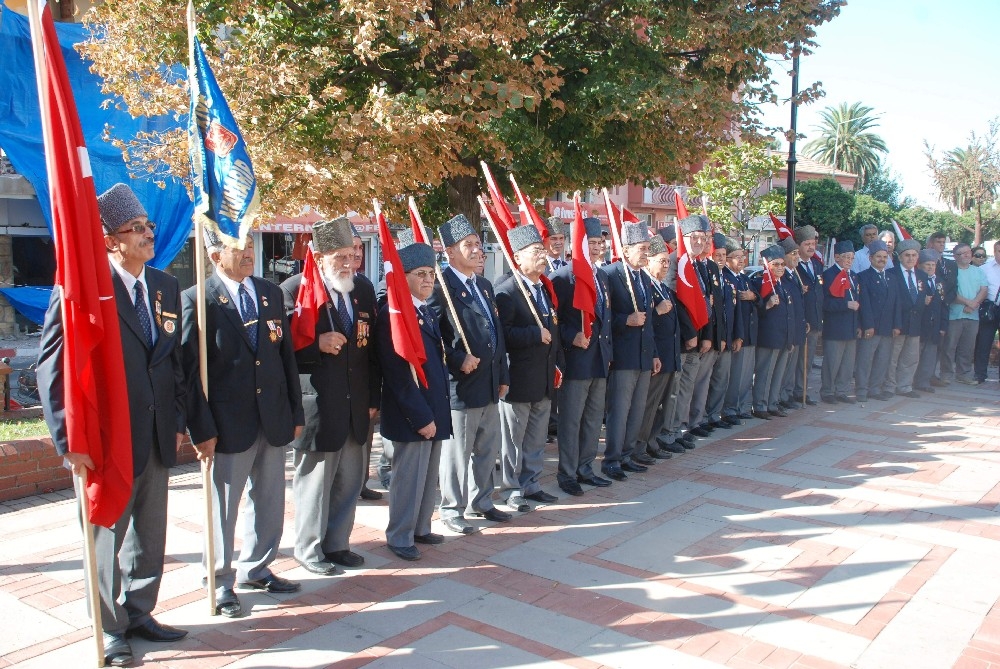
column 462, row 192
column 978, row 236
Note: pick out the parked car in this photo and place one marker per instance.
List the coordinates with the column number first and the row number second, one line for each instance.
column 282, row 268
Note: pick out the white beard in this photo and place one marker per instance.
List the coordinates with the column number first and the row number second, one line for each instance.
column 343, row 285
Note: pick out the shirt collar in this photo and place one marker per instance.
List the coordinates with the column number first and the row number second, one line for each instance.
column 465, row 278
column 127, row 277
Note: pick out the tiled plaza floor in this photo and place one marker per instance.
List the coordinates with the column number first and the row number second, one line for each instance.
column 863, row 537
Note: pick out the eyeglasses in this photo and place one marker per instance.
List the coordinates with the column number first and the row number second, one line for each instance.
column 979, row 255
column 137, row 228
column 423, row 275
column 342, row 258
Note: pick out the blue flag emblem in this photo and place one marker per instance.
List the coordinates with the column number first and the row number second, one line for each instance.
column 225, row 188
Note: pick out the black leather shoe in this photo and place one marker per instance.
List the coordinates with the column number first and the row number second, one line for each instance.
column 323, row 568
column 707, row 427
column 913, row 393
column 793, row 405
column 633, row 467
column 117, row 652
column 271, row 583
column 722, row 425
column 810, row 401
column 732, row 420
column 884, row 396
column 345, row 559
column 844, row 399
column 925, row 389
column 429, row 539
column 699, row 432
column 594, row 480
column 615, row 473
column 370, row 495
column 154, row 631
column 458, row 524
column 571, row 488
column 828, row 399
column 409, row 553
column 542, row 497
column 495, row 515
column 780, row 413
column 686, row 441
column 642, row 459
column 518, row 503
column 658, row 454
column 746, row 416
column 762, row 415
column 674, row 447
column 227, row 603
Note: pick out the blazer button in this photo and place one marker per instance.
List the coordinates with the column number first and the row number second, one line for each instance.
column 152, row 407
column 258, row 391
column 257, row 362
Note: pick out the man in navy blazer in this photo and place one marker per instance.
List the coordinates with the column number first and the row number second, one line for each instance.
column 477, row 363
column 776, row 329
column 912, row 298
column 880, row 320
column 933, row 321
column 635, row 358
column 341, row 384
column 416, row 419
column 737, row 405
column 810, row 271
column 582, row 395
column 786, row 399
column 732, row 330
column 534, row 352
column 130, row 553
column 840, row 326
column 253, row 407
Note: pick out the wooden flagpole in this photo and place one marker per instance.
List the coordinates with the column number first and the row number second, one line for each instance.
column 199, row 264
column 79, row 481
column 510, row 261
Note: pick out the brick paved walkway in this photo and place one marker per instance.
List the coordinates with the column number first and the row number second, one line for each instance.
column 863, row 538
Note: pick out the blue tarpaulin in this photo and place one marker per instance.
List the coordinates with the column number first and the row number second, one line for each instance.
column 21, row 134
column 30, row 301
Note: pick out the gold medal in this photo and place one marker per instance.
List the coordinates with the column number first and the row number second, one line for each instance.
column 263, row 300
column 223, row 299
column 169, row 326
column 273, row 336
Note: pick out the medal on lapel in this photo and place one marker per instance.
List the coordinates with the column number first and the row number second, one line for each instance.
column 223, row 299
column 169, row 321
column 362, row 333
column 273, row 331
column 263, row 300
column 158, row 309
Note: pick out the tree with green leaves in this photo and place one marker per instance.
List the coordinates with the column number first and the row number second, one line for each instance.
column 845, row 140
column 341, row 102
column 869, row 211
column 885, row 187
column 968, row 178
column 826, row 206
column 921, row 222
column 733, row 180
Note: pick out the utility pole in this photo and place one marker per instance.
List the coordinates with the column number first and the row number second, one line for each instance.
column 790, row 192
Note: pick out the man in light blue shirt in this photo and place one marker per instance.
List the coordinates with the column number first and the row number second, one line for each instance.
column 963, row 324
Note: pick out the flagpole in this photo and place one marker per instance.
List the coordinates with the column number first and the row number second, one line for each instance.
column 805, row 370
column 618, row 240
column 199, row 264
column 80, row 480
column 440, row 277
column 510, row 261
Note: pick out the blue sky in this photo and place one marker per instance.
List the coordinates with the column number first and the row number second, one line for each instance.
column 931, row 68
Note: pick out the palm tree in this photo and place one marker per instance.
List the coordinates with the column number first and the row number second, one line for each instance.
column 968, row 179
column 845, row 141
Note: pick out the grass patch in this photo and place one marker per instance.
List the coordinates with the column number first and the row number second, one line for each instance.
column 23, row 429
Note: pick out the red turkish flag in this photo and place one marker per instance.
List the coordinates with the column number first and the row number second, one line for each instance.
column 311, row 298
column 584, row 288
column 628, row 217
column 901, row 231
column 615, row 227
column 407, row 341
column 416, row 224
column 784, row 232
column 841, row 284
column 688, row 287
column 527, row 212
column 93, row 374
column 504, row 218
column 682, row 210
column 767, row 282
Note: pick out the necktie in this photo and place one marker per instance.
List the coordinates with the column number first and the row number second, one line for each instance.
column 599, row 306
column 143, row 313
column 640, row 291
column 345, row 316
column 809, row 271
column 913, row 286
column 425, row 311
column 543, row 307
column 485, row 311
column 249, row 310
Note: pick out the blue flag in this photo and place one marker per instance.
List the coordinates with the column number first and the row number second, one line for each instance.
column 225, row 189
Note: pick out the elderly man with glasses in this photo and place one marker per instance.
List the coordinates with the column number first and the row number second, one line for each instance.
column 971, row 289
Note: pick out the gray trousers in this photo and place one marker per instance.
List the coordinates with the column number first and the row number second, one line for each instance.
column 413, row 494
column 778, row 378
column 699, row 392
column 326, row 488
column 793, row 363
column 524, row 426
column 905, row 357
column 468, row 461
column 678, row 407
column 628, row 389
column 718, row 386
column 738, row 399
column 763, row 372
column 871, row 364
column 263, row 467
column 659, row 386
column 927, row 364
column 838, row 366
column 812, row 343
column 130, row 553
column 666, row 412
column 959, row 348
column 581, row 412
